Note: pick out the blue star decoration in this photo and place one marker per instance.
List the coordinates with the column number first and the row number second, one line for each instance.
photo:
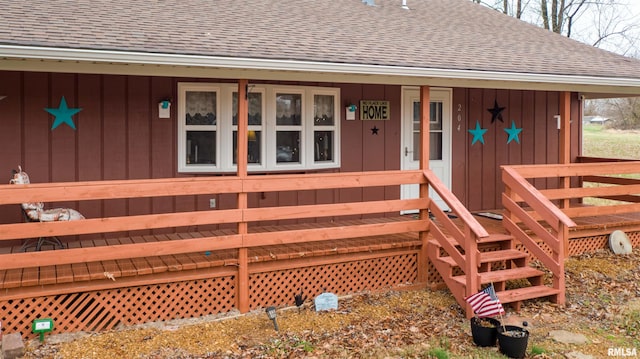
column 513, row 132
column 478, row 133
column 496, row 112
column 63, row 114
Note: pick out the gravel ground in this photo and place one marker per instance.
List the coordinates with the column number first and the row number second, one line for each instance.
column 603, row 304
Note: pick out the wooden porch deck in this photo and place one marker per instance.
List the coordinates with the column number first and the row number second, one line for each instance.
column 113, row 270
column 129, row 268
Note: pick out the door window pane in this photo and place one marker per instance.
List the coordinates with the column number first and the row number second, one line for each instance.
column 288, row 146
column 323, row 146
column 435, row 131
column 288, row 109
column 200, row 108
column 201, row 147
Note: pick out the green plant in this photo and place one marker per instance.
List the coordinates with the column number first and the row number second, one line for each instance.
column 305, row 345
column 631, row 323
column 438, row 353
column 536, row 350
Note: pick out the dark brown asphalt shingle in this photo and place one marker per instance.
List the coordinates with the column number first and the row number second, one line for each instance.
column 445, row 34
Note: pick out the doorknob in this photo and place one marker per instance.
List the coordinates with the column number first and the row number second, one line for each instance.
column 406, row 151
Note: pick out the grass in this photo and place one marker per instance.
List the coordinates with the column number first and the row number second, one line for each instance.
column 598, row 141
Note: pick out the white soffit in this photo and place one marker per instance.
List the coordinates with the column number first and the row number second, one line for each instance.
column 118, row 62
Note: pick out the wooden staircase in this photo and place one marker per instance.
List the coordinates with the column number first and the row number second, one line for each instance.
column 499, row 262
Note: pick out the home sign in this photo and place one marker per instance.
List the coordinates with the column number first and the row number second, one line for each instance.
column 374, row 110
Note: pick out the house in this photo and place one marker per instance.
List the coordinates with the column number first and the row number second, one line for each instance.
column 227, row 155
column 594, row 120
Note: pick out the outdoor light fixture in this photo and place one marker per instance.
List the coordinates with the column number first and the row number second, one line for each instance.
column 271, row 313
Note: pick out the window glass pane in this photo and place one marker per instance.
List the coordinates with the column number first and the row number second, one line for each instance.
column 288, row 109
column 323, row 110
column 254, row 142
column 323, row 145
column 200, row 108
column 201, row 147
column 255, row 108
column 435, row 116
column 288, row 146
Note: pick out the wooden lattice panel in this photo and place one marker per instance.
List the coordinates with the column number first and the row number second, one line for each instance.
column 103, row 310
column 279, row 287
column 594, row 243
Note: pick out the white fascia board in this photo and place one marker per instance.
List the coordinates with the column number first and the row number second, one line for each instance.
column 161, row 59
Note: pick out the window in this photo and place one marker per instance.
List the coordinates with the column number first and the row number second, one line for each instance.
column 289, row 128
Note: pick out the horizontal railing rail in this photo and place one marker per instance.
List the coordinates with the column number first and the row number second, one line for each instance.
column 14, row 194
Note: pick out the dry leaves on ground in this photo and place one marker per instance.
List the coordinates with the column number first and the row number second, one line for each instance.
column 602, row 303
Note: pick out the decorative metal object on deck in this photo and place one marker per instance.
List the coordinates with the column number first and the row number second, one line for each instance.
column 35, row 212
column 620, row 243
column 271, row 313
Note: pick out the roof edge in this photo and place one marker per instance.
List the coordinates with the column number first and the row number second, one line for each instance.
column 145, row 58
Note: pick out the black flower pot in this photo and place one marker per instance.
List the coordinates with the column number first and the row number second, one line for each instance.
column 484, row 331
column 513, row 341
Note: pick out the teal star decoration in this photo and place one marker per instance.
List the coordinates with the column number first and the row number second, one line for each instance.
column 63, row 114
column 513, row 132
column 478, row 133
column 496, row 112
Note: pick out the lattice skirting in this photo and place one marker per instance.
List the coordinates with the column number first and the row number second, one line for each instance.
column 594, row 243
column 103, row 310
column 279, row 287
column 107, row 309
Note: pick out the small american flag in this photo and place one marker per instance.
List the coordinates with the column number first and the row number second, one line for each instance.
column 485, row 303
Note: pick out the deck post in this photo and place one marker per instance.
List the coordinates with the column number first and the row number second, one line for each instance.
column 565, row 139
column 242, row 163
column 423, row 257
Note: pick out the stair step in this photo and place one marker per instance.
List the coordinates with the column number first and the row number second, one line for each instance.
column 491, row 256
column 492, row 238
column 503, row 275
column 515, row 295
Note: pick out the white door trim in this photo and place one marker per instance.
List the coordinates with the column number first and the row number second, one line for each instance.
column 446, row 95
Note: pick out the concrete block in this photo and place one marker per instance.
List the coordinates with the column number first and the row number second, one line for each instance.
column 12, row 346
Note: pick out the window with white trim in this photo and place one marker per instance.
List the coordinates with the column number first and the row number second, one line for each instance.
column 289, row 128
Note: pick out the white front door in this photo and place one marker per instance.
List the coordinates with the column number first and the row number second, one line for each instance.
column 439, row 138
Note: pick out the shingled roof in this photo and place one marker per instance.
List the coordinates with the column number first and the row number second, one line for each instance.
column 432, row 34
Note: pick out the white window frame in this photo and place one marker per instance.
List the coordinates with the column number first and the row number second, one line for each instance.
column 224, row 128
column 183, row 88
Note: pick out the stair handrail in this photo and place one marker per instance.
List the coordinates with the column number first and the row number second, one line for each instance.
column 555, row 236
column 466, row 239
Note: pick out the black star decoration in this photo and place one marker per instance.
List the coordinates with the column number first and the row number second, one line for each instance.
column 496, row 112
column 374, row 130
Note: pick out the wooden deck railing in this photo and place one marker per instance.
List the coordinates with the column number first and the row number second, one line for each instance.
column 98, row 190
column 464, row 247
column 526, row 208
column 550, row 213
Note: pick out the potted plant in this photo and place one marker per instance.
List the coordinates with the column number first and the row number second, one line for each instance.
column 484, row 331
column 485, row 304
column 513, row 341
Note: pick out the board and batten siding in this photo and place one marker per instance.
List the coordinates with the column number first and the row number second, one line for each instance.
column 119, row 136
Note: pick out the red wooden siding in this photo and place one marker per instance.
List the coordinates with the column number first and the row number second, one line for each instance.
column 476, row 168
column 119, row 136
